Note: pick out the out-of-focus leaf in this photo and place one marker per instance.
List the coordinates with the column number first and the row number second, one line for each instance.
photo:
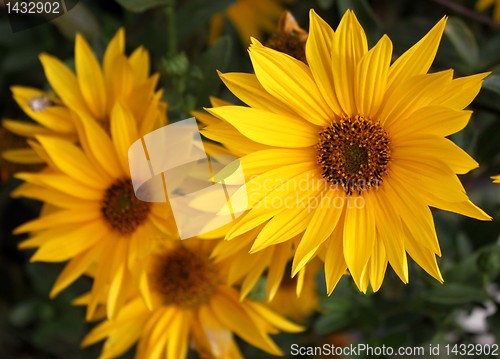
column 141, row 5
column 452, row 293
column 195, row 14
column 488, row 259
column 325, row 4
column 81, row 20
column 489, row 54
column 332, row 322
column 492, row 83
column 463, row 41
column 215, row 58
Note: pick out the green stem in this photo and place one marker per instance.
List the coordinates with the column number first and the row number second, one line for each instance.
column 171, row 32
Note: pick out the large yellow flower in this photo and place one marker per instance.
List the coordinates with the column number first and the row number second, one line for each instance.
column 191, row 305
column 357, row 151
column 250, row 17
column 484, row 4
column 98, row 224
column 92, row 91
column 496, row 179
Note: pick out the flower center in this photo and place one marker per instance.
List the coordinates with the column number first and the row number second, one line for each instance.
column 184, row 278
column 355, row 153
column 121, row 209
column 39, row 103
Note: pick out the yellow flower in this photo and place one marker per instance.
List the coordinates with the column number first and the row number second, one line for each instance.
column 357, row 151
column 250, row 17
column 191, row 305
column 484, row 4
column 98, row 225
column 92, row 92
column 298, row 307
column 496, row 179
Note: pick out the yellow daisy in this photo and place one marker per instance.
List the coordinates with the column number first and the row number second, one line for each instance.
column 191, row 307
column 99, row 225
column 357, row 152
column 482, row 5
column 92, row 91
column 250, row 17
column 496, row 179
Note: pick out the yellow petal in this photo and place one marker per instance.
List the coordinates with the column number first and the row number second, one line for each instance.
column 424, row 257
column 22, row 155
column 178, row 336
column 349, row 46
column 97, row 145
column 62, row 183
column 60, row 218
column 335, row 265
column 230, row 313
column 64, row 83
column 413, row 213
column 371, row 77
column 74, row 270
column 24, row 128
column 390, row 233
column 268, row 128
column 115, row 48
column 411, row 95
column 124, row 133
column 326, row 216
column 359, row 236
column 378, row 265
column 461, row 91
column 139, row 61
column 277, row 269
column 90, row 78
column 249, row 90
column 319, row 58
column 219, row 338
column 73, row 243
column 418, row 59
column 431, row 120
column 434, row 149
column 290, row 81
column 71, row 160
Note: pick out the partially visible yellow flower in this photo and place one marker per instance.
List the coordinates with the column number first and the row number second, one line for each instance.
column 191, row 306
column 98, row 224
column 91, row 92
column 298, row 307
column 484, row 4
column 357, row 151
column 496, row 179
column 252, row 18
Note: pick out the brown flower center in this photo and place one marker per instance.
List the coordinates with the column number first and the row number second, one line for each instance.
column 355, row 153
column 121, row 209
column 184, row 278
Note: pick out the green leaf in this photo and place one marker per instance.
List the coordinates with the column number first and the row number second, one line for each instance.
column 332, row 322
column 463, row 41
column 492, row 83
column 453, row 293
column 196, row 14
column 141, row 5
column 215, row 58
